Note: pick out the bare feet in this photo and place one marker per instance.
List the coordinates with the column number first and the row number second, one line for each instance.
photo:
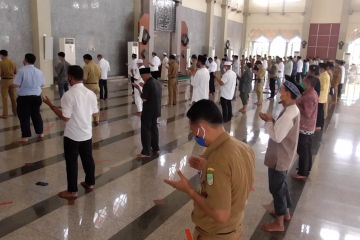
column 299, row 177
column 273, row 227
column 243, row 110
column 142, row 156
column 68, row 195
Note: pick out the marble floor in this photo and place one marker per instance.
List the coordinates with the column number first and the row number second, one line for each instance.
column 132, row 202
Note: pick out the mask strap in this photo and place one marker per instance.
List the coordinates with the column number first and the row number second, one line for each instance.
column 203, row 131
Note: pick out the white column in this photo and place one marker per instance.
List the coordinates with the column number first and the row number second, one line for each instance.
column 344, row 28
column 306, row 26
column 41, row 26
column 224, row 17
column 210, row 24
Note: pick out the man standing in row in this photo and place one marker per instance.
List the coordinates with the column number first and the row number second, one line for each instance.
column 308, row 106
column 155, row 63
column 260, row 78
column 7, row 74
column 324, row 95
column 105, row 69
column 29, row 81
column 281, row 151
column 299, row 69
column 212, row 70
column 227, row 176
column 61, row 69
column 172, row 82
column 151, row 95
column 78, row 105
column 227, row 90
column 92, row 76
column 165, row 68
column 288, row 68
column 245, row 86
column 200, row 82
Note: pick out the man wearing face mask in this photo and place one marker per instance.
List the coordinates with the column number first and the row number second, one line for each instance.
column 78, row 105
column 227, row 176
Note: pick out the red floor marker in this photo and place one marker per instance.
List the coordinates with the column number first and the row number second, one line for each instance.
column 188, row 234
column 4, row 204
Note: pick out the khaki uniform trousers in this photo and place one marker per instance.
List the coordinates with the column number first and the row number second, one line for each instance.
column 6, row 91
column 172, row 87
column 96, row 89
column 230, row 236
column 259, row 90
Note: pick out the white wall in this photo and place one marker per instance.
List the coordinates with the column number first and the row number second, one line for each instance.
column 326, row 11
column 199, row 5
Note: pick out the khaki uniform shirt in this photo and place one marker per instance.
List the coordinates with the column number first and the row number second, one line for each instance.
column 7, row 69
column 173, row 70
column 92, row 73
column 225, row 184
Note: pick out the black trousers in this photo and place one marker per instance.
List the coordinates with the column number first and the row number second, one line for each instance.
column 288, row 77
column 298, row 77
column 212, row 83
column 226, row 109
column 103, row 89
column 28, row 107
column 340, row 87
column 149, row 133
column 279, row 190
column 272, row 85
column 155, row 74
column 305, row 155
column 320, row 120
column 72, row 149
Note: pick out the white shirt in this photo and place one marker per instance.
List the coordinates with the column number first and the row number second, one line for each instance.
column 132, row 66
column 79, row 104
column 156, row 62
column 212, row 67
column 288, row 68
column 228, row 89
column 200, row 84
column 281, row 70
column 218, row 63
column 280, row 129
column 105, row 68
column 299, row 65
column 342, row 74
column 265, row 64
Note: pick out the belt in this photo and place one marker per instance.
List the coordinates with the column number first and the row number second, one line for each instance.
column 219, row 234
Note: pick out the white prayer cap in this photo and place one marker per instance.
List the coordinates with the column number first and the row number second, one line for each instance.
column 139, row 61
column 164, row 53
column 227, row 63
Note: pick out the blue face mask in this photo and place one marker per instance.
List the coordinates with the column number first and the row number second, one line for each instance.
column 201, row 140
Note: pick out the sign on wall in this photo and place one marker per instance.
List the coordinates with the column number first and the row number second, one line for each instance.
column 165, row 15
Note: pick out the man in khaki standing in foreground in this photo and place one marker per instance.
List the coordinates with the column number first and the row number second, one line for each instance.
column 92, row 75
column 227, row 176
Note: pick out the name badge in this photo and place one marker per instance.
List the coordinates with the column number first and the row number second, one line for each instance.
column 210, row 176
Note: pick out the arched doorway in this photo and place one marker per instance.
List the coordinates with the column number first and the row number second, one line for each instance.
column 294, row 46
column 260, row 46
column 278, row 46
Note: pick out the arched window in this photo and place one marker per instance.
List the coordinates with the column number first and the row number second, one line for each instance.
column 261, row 46
column 278, row 46
column 294, row 46
column 354, row 50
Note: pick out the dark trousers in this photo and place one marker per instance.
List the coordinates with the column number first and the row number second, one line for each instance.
column 132, row 80
column 298, row 77
column 72, row 149
column 63, row 87
column 320, row 121
column 226, row 109
column 279, row 189
column 287, row 77
column 149, row 133
column 103, row 89
column 28, row 107
column 155, row 74
column 305, row 155
column 340, row 87
column 272, row 85
column 212, row 83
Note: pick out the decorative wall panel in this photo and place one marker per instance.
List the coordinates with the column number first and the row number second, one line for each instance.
column 165, row 15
